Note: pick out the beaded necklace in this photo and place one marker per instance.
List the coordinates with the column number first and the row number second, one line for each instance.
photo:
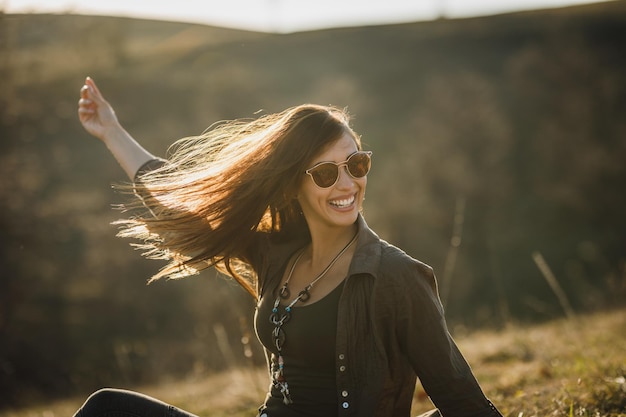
column 279, row 319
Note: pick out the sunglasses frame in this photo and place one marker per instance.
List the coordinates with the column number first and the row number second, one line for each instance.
column 339, row 165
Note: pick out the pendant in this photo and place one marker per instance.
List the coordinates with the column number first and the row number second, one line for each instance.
column 279, row 321
column 280, row 381
column 284, row 292
column 279, row 338
column 304, row 295
column 286, row 396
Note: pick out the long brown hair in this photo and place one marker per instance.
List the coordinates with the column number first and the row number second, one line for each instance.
column 217, row 190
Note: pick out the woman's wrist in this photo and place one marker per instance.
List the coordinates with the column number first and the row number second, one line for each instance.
column 114, row 135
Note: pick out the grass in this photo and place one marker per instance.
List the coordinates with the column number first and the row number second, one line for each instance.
column 565, row 368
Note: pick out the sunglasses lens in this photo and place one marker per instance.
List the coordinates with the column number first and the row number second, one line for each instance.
column 359, row 164
column 325, row 175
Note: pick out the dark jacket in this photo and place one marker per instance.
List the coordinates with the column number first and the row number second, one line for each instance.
column 391, row 329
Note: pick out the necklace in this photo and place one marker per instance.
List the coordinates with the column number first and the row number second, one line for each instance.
column 279, row 319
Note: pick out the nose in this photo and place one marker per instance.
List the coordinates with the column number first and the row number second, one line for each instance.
column 345, row 180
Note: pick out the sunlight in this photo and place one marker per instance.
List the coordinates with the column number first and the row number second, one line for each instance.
column 286, row 16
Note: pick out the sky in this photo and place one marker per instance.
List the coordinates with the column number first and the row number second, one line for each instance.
column 285, row 16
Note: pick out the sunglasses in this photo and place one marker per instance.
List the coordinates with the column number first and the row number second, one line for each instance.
column 326, row 174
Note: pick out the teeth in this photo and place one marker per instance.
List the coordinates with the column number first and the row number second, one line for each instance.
column 343, row 203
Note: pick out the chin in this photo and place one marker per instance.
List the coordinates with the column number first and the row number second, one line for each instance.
column 346, row 218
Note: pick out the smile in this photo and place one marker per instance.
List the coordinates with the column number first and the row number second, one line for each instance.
column 346, row 202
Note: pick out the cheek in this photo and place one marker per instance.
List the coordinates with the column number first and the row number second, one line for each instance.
column 303, row 188
column 362, row 183
column 308, row 192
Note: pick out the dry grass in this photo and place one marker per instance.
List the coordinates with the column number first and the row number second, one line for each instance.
column 563, row 368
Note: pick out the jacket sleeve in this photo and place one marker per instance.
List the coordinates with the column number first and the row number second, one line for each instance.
column 151, row 165
column 424, row 338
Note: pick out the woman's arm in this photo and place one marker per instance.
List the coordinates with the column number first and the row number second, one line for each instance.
column 98, row 118
column 435, row 357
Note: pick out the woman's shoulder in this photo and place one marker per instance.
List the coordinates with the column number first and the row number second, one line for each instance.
column 399, row 268
column 386, row 262
column 395, row 258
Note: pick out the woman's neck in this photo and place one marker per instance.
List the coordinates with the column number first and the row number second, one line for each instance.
column 327, row 242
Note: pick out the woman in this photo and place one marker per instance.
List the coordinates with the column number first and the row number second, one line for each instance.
column 347, row 320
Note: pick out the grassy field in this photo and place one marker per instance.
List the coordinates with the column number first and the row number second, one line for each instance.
column 563, row 368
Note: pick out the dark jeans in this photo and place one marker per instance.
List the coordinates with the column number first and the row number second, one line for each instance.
column 121, row 403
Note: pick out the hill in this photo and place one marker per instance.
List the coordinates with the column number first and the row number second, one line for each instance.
column 494, row 138
column 563, row 368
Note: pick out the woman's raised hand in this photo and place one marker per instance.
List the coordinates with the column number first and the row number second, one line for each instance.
column 95, row 113
column 98, row 118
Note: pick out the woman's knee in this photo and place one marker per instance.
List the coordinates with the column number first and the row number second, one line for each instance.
column 99, row 401
column 122, row 403
column 104, row 396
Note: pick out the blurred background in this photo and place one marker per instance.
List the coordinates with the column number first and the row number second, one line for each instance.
column 499, row 159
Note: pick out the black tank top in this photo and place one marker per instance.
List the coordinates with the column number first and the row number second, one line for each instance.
column 309, row 356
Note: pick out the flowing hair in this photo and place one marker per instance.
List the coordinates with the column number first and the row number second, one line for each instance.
column 217, row 191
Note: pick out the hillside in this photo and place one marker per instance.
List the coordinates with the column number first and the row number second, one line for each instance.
column 561, row 369
column 502, row 134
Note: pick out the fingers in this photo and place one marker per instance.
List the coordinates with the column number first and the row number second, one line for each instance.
column 84, row 92
column 90, row 98
column 86, row 107
column 89, row 91
column 93, row 91
column 91, row 83
column 85, row 104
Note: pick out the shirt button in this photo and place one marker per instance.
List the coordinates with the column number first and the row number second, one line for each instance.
column 342, row 368
column 345, row 405
column 342, row 356
column 344, row 393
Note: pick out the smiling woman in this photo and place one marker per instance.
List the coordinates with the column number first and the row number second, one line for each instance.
column 348, row 322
